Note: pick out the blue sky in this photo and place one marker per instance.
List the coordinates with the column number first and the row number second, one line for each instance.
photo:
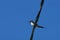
column 16, row 14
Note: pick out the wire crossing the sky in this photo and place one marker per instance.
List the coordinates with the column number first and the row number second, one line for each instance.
column 34, row 24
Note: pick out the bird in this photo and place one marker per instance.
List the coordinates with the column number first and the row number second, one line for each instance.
column 32, row 24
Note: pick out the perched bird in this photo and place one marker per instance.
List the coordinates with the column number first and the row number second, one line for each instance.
column 36, row 25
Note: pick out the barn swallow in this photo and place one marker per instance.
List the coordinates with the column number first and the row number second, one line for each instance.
column 32, row 23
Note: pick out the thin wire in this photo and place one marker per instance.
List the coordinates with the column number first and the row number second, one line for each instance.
column 37, row 17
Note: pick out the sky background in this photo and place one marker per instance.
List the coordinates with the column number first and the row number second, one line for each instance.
column 16, row 14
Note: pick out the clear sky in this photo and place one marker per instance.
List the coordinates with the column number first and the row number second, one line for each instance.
column 16, row 14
